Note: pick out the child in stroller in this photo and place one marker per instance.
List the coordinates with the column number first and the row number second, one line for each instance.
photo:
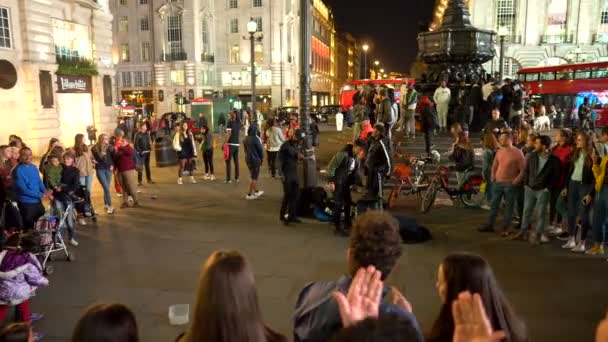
column 65, row 182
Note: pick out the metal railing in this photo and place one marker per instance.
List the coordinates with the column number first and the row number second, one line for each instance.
column 174, row 56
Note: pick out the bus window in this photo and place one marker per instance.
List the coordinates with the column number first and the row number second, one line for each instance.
column 600, row 73
column 582, row 74
column 348, row 87
column 531, row 77
column 547, row 76
column 565, row 75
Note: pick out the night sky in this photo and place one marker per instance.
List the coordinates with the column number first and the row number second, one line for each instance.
column 390, row 30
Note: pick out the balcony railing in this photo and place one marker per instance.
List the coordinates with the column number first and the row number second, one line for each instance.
column 174, row 56
column 557, row 39
column 207, row 58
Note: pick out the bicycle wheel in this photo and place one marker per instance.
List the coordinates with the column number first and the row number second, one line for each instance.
column 472, row 199
column 429, row 197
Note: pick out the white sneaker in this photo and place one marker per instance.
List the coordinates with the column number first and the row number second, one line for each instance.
column 138, row 190
column 180, row 181
column 485, row 206
column 82, row 222
column 73, row 242
column 258, row 193
column 570, row 244
column 544, row 238
column 251, row 197
column 211, row 177
column 118, row 194
column 110, row 210
column 192, row 180
column 579, row 248
column 206, row 176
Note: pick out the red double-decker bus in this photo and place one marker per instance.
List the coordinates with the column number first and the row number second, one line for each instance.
column 350, row 88
column 565, row 86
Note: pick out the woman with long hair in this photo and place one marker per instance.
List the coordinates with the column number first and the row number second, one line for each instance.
column 84, row 162
column 600, row 204
column 557, row 203
column 106, row 322
column 490, row 146
column 468, row 272
column 580, row 191
column 207, row 150
column 184, row 144
column 55, row 148
column 461, row 152
column 227, row 308
column 103, row 153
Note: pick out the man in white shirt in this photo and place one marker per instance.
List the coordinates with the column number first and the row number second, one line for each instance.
column 442, row 98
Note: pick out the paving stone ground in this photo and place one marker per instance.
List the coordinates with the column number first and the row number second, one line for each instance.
column 149, row 258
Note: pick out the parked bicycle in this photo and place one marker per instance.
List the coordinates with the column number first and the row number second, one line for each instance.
column 469, row 193
column 411, row 179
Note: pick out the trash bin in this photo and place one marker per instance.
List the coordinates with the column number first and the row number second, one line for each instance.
column 339, row 121
column 164, row 152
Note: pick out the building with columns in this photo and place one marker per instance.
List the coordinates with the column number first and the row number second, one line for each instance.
column 542, row 32
column 56, row 67
column 163, row 48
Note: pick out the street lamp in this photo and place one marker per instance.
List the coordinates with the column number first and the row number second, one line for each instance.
column 309, row 162
column 503, row 32
column 252, row 28
column 365, row 48
column 376, row 63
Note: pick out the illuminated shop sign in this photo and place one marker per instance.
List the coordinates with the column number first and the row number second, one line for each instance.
column 73, row 84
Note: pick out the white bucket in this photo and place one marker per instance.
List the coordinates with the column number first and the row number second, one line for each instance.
column 179, row 314
column 339, row 121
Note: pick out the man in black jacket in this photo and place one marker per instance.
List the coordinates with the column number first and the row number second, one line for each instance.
column 288, row 156
column 542, row 168
column 383, row 111
column 143, row 147
column 377, row 162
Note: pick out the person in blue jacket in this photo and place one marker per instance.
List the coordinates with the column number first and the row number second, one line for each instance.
column 254, row 155
column 29, row 189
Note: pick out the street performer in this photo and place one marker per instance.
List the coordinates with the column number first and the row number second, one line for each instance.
column 342, row 172
column 377, row 162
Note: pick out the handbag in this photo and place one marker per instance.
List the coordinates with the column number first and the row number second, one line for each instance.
column 226, row 152
column 176, row 145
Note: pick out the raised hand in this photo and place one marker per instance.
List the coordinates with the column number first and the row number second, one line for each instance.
column 363, row 298
column 471, row 323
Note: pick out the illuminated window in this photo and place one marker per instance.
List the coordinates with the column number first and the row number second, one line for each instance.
column 257, row 3
column 506, row 15
column 124, row 52
column 145, row 51
column 126, row 79
column 235, row 54
column 259, row 53
column 144, row 24
column 123, row 24
column 233, row 3
column 258, row 21
column 137, row 79
column 177, row 77
column 555, row 31
column 174, row 34
column 5, row 28
column 234, row 25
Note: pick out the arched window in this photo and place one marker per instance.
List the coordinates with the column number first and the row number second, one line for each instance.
column 506, row 15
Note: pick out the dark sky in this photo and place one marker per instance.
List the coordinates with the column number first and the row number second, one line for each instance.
column 390, row 27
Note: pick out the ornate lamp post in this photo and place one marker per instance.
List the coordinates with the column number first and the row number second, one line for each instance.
column 503, row 32
column 365, row 48
column 252, row 28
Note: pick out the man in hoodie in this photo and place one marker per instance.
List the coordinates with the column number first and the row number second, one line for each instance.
column 442, row 98
column 383, row 111
column 541, row 170
column 254, row 155
column 374, row 241
column 378, row 162
column 342, row 172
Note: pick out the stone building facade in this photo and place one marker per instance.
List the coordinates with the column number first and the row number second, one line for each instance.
column 40, row 39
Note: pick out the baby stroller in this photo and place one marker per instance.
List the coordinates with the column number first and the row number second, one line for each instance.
column 48, row 230
column 82, row 204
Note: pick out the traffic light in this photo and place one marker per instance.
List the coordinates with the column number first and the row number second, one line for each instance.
column 176, row 97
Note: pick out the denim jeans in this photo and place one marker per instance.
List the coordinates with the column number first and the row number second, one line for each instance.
column 576, row 192
column 87, row 181
column 60, row 206
column 502, row 190
column 105, row 178
column 535, row 200
column 489, row 191
column 600, row 212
